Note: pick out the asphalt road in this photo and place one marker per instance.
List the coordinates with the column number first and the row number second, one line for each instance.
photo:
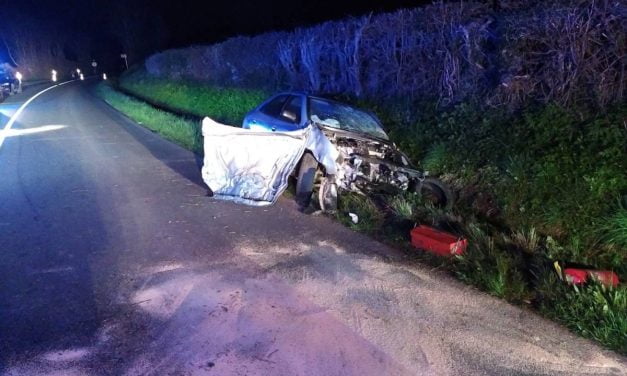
column 113, row 261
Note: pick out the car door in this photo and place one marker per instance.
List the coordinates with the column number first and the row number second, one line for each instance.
column 282, row 113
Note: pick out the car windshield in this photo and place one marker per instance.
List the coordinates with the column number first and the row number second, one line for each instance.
column 344, row 117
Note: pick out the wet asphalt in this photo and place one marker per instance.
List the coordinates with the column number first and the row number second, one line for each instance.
column 95, row 209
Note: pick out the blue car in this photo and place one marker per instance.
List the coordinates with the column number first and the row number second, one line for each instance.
column 368, row 160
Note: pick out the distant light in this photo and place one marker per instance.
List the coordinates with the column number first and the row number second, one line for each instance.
column 54, row 75
column 19, row 76
column 104, row 76
column 78, row 71
column 82, row 77
column 54, row 72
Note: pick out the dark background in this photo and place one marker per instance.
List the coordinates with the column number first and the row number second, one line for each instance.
column 160, row 24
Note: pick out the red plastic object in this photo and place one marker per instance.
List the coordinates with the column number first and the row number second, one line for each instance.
column 605, row 277
column 580, row 276
column 438, row 242
column 576, row 276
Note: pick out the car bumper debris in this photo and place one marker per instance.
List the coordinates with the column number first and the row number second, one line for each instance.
column 438, row 242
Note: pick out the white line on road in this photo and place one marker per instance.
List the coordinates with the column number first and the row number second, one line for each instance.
column 13, row 119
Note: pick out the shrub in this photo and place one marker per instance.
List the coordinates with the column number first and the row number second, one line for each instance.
column 449, row 52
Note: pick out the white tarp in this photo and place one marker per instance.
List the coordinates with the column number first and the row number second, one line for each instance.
column 253, row 167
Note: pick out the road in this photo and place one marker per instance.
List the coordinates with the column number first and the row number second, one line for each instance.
column 114, row 262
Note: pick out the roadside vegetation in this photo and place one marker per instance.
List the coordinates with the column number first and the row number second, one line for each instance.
column 538, row 158
column 185, row 132
column 226, row 105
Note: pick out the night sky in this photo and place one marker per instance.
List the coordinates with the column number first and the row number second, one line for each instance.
column 186, row 22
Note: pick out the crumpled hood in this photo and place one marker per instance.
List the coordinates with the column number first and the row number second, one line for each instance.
column 252, row 167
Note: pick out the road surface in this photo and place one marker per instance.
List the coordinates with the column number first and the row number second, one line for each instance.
column 114, row 262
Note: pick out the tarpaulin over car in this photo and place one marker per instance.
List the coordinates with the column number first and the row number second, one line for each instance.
column 253, row 167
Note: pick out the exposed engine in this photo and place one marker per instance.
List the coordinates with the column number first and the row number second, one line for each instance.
column 365, row 164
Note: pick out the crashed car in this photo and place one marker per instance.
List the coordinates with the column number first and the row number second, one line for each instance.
column 326, row 145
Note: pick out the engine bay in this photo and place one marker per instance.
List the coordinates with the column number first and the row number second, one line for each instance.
column 367, row 164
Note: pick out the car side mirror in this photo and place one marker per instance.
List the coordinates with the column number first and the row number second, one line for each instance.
column 287, row 114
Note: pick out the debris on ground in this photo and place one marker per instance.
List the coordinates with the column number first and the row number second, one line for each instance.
column 438, row 242
column 581, row 275
column 354, row 217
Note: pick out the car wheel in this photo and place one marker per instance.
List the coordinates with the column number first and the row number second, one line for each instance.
column 435, row 192
column 327, row 195
column 306, row 179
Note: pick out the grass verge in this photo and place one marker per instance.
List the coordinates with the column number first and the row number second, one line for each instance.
column 184, row 132
column 226, row 105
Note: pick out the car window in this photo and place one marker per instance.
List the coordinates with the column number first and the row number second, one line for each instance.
column 274, row 107
column 342, row 116
column 293, row 110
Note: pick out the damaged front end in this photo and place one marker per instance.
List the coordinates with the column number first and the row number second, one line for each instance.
column 368, row 165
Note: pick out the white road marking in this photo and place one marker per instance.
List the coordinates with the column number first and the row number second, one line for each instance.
column 13, row 119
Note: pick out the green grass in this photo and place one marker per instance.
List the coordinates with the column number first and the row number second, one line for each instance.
column 615, row 228
column 593, row 311
column 556, row 170
column 488, row 265
column 403, row 207
column 370, row 218
column 186, row 133
column 226, row 105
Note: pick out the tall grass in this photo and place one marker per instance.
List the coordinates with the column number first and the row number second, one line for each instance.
column 488, row 265
column 594, row 311
column 186, row 133
column 615, row 228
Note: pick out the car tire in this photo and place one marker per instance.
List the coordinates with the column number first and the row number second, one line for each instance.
column 436, row 192
column 305, row 179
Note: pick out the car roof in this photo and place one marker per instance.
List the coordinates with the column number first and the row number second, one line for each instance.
column 308, row 95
